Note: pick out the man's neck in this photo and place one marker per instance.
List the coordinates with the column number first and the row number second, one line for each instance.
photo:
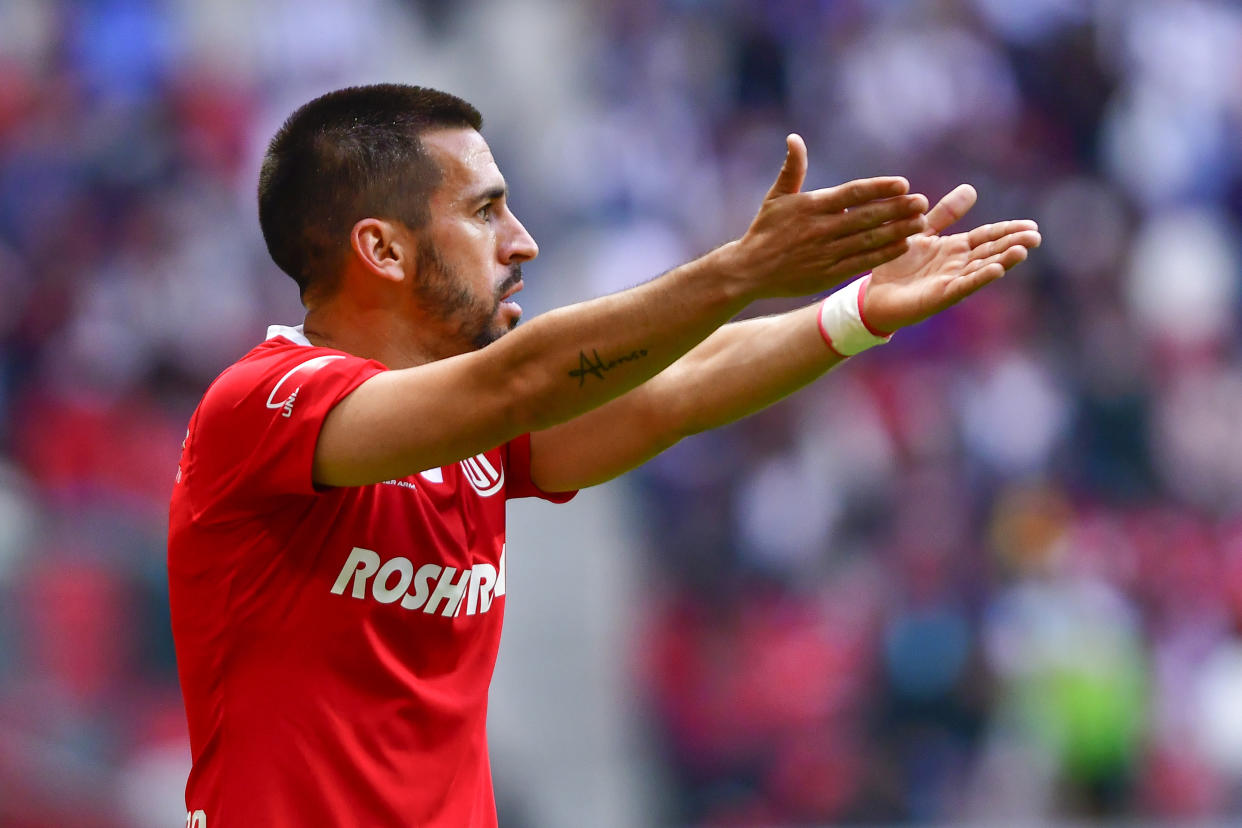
column 372, row 333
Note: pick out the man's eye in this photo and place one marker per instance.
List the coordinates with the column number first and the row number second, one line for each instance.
column 484, row 212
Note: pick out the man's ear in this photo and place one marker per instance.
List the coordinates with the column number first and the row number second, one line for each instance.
column 381, row 248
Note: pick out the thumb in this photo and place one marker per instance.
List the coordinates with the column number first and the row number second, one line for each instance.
column 951, row 208
column 793, row 171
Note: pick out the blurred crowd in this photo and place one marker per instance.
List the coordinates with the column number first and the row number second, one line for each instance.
column 991, row 570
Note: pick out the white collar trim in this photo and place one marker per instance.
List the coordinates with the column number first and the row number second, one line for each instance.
column 293, row 334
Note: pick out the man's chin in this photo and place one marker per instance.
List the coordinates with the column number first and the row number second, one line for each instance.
column 504, row 327
column 508, row 313
column 495, row 332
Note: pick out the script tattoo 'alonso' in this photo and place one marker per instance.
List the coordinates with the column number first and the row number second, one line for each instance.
column 595, row 366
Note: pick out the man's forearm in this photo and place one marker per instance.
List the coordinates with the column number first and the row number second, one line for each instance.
column 738, row 370
column 743, row 368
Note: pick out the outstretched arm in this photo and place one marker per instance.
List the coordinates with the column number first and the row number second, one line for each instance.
column 746, row 366
column 575, row 359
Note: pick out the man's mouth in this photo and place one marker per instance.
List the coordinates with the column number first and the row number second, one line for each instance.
column 511, row 310
column 512, row 290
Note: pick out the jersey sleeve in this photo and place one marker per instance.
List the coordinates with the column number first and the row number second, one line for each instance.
column 517, row 473
column 253, row 437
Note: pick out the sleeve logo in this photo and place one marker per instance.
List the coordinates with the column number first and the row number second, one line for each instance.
column 274, row 400
column 483, row 476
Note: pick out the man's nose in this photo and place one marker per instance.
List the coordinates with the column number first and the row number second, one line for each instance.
column 520, row 245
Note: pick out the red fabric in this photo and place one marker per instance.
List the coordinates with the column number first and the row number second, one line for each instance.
column 334, row 647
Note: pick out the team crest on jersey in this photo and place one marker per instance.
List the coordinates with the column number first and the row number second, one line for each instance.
column 483, row 476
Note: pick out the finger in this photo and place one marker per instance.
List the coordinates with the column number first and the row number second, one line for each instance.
column 1026, row 238
column 868, row 259
column 858, row 192
column 1011, row 258
column 793, row 171
column 876, row 213
column 951, row 208
column 991, row 232
column 881, row 236
column 969, row 282
column 1006, row 259
column 960, row 288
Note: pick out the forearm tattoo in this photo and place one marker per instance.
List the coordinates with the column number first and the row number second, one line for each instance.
column 593, row 365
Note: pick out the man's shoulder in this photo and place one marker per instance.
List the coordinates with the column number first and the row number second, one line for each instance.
column 269, row 366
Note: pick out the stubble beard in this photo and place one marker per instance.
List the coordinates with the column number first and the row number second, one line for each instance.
column 440, row 285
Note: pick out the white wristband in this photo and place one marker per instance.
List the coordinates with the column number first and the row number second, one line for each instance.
column 841, row 321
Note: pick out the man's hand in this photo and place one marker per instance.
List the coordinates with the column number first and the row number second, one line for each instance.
column 745, row 366
column 803, row 243
column 938, row 271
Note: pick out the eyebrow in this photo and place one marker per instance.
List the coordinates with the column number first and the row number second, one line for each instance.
column 491, row 194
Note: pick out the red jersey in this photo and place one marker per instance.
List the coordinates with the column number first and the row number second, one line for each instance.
column 334, row 645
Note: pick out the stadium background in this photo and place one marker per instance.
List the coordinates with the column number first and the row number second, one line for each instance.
column 990, row 572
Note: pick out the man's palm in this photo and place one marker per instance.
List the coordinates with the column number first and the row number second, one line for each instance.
column 937, row 271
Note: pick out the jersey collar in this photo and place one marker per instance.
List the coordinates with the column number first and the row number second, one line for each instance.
column 293, row 334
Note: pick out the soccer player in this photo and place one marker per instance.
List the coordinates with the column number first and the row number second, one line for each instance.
column 336, row 552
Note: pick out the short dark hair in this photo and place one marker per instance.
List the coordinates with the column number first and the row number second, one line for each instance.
column 348, row 155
